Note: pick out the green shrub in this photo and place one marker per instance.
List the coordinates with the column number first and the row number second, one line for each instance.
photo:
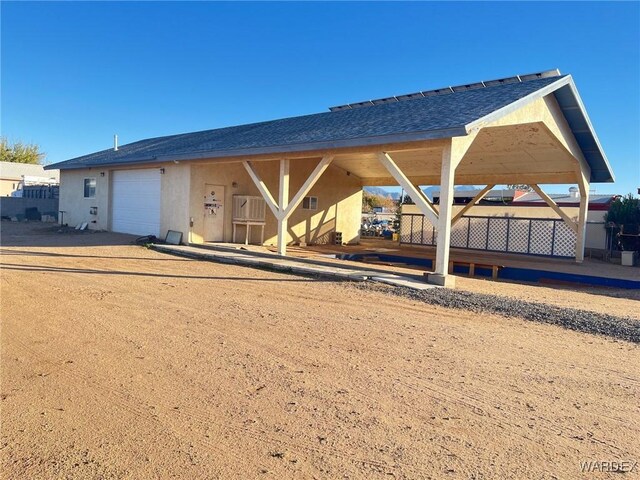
column 624, row 213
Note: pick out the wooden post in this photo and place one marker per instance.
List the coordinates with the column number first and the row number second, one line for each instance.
column 452, row 154
column 282, row 210
column 582, row 218
column 447, row 175
column 283, row 201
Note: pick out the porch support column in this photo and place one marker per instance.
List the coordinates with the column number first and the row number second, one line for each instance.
column 583, row 185
column 282, row 209
column 283, row 201
column 451, row 156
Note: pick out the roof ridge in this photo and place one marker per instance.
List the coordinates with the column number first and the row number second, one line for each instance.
column 451, row 89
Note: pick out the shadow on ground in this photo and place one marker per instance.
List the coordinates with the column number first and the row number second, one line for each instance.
column 37, row 234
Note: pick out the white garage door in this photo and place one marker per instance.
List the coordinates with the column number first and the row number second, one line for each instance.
column 135, row 197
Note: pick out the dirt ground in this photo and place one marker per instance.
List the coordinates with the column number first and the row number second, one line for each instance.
column 121, row 362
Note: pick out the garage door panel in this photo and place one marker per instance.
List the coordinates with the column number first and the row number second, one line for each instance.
column 136, row 202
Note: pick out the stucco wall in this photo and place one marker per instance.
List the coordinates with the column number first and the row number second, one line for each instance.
column 7, row 187
column 174, row 213
column 175, row 191
column 76, row 207
column 182, row 198
column 339, row 201
column 219, row 174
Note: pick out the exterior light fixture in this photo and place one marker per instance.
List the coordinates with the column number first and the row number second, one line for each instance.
column 102, row 174
column 162, row 171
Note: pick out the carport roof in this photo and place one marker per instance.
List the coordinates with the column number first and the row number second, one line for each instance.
column 449, row 113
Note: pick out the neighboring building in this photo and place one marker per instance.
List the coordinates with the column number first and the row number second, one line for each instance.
column 14, row 176
column 496, row 196
column 597, row 202
column 310, row 170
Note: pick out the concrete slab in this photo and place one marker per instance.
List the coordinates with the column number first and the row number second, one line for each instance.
column 448, row 281
column 399, row 281
column 292, row 265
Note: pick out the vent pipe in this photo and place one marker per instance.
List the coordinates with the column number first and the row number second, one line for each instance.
column 115, row 143
column 574, row 192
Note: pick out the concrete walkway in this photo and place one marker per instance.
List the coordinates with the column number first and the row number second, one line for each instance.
column 302, row 266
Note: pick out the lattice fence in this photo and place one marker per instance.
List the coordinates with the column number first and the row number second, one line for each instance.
column 532, row 236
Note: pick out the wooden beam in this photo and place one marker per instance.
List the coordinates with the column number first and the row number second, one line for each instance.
column 482, row 179
column 549, row 201
column 468, row 206
column 435, row 144
column 308, row 185
column 416, row 195
column 262, row 188
column 459, row 148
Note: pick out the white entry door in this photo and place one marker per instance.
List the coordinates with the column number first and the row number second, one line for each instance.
column 213, row 213
column 135, row 202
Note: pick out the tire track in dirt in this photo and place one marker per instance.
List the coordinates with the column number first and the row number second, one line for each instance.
column 124, row 404
column 446, row 392
column 449, row 394
column 123, row 400
column 266, row 350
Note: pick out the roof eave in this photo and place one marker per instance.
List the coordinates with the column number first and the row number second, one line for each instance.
column 583, row 110
column 282, row 149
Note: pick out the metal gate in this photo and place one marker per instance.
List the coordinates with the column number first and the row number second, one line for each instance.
column 529, row 236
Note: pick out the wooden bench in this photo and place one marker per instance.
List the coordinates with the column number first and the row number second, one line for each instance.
column 472, row 267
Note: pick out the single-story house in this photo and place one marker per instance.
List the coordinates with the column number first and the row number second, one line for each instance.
column 14, row 176
column 308, row 172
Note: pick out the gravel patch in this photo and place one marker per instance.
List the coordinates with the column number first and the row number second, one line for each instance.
column 620, row 327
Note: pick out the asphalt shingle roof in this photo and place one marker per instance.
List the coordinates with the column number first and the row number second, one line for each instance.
column 439, row 116
column 15, row 171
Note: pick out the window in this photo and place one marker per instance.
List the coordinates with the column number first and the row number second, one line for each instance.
column 310, row 203
column 89, row 188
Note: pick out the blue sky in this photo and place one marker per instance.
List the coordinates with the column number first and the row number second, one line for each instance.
column 73, row 74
